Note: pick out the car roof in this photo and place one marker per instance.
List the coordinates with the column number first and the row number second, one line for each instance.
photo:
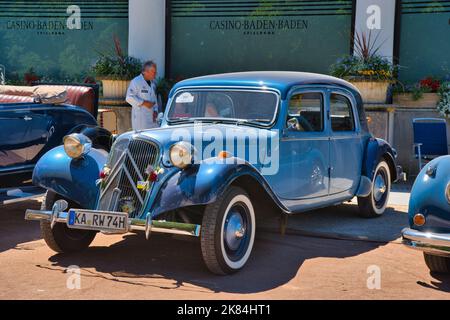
column 282, row 81
column 279, row 80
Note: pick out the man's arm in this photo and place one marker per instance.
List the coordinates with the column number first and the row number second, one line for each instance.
column 148, row 104
column 132, row 96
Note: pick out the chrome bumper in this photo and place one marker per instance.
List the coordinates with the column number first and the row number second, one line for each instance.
column 148, row 225
column 432, row 243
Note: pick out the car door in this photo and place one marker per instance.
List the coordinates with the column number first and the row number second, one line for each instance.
column 14, row 124
column 346, row 147
column 39, row 132
column 304, row 148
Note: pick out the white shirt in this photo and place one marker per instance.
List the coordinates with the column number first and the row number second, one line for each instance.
column 138, row 92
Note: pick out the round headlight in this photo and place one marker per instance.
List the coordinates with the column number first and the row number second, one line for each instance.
column 77, row 145
column 181, row 154
column 447, row 192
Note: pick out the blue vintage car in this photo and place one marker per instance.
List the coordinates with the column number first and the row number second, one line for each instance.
column 429, row 215
column 231, row 147
column 29, row 129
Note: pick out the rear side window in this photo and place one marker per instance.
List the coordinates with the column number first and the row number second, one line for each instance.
column 307, row 108
column 341, row 113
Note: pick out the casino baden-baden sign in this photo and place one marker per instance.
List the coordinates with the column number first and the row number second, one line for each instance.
column 53, row 26
column 234, row 35
column 59, row 39
column 259, row 26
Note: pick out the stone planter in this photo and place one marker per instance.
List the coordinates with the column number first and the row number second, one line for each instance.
column 428, row 100
column 372, row 91
column 115, row 89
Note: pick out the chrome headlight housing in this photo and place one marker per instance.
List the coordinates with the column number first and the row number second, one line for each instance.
column 447, row 192
column 181, row 154
column 77, row 145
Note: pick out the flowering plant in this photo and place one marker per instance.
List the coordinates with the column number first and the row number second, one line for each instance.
column 365, row 64
column 431, row 84
column 443, row 105
column 374, row 68
column 426, row 85
column 117, row 65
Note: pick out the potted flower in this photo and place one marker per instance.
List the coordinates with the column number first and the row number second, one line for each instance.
column 422, row 94
column 369, row 72
column 116, row 72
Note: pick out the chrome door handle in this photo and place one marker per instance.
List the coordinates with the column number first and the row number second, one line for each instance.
column 27, row 118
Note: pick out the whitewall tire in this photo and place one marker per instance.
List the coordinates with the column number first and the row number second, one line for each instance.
column 228, row 232
column 375, row 204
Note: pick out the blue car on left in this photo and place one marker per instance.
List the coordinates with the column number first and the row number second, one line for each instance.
column 30, row 127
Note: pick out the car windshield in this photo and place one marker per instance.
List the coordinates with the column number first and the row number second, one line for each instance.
column 224, row 105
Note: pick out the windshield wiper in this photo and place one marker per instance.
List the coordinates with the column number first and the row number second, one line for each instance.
column 224, row 120
column 178, row 120
column 252, row 122
column 260, row 120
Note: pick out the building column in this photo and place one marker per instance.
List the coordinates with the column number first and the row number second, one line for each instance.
column 147, row 31
column 377, row 17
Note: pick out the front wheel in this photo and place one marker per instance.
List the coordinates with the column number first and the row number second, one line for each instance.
column 375, row 203
column 60, row 238
column 437, row 264
column 228, row 232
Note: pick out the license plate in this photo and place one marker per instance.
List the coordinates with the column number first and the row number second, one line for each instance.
column 99, row 221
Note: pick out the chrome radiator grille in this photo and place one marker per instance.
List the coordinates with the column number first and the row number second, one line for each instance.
column 121, row 192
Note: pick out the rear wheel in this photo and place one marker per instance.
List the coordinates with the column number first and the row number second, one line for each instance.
column 228, row 232
column 437, row 263
column 61, row 239
column 375, row 203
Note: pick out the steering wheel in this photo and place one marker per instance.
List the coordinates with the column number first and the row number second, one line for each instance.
column 305, row 124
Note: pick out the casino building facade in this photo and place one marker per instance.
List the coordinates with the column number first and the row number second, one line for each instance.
column 61, row 39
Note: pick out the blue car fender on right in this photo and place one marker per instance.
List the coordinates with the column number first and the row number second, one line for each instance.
column 429, row 215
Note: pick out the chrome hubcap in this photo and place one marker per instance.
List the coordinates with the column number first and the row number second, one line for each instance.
column 379, row 187
column 234, row 230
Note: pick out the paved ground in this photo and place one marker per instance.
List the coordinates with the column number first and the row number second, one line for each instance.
column 291, row 267
column 343, row 222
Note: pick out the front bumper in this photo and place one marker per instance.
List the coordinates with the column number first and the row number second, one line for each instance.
column 432, row 243
column 148, row 225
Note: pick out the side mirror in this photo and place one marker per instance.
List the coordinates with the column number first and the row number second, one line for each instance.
column 293, row 124
column 160, row 118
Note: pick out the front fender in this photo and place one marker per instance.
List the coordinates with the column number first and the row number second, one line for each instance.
column 202, row 184
column 377, row 149
column 72, row 179
column 428, row 197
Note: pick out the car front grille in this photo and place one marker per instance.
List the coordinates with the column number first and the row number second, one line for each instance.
column 128, row 164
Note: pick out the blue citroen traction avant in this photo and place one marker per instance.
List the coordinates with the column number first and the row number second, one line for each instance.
column 429, row 215
column 231, row 147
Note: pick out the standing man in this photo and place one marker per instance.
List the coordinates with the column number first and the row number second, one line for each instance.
column 142, row 96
